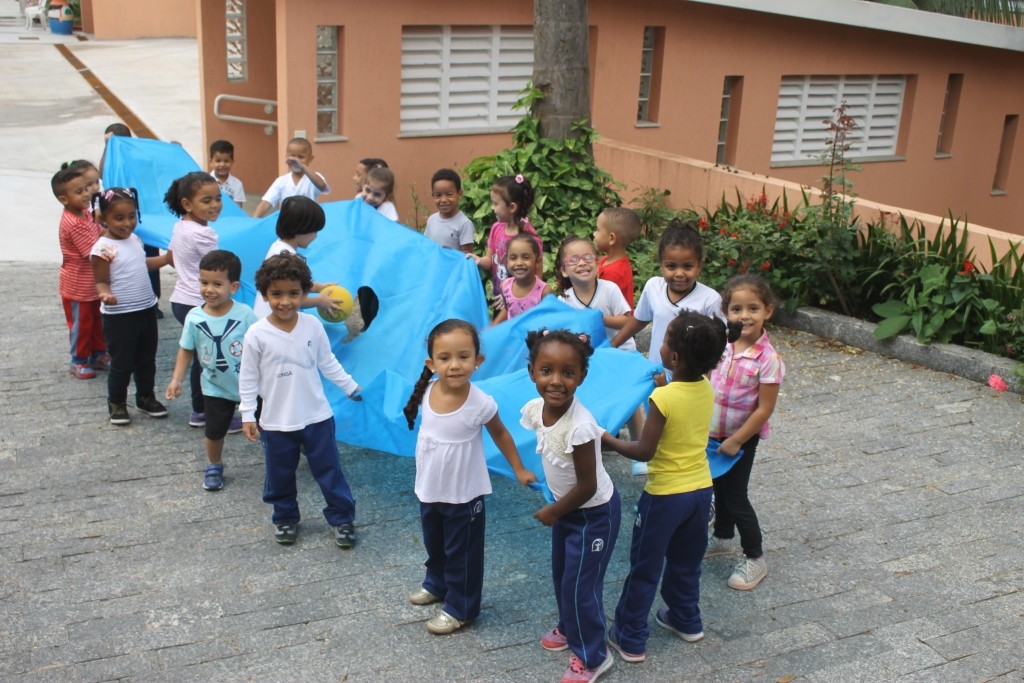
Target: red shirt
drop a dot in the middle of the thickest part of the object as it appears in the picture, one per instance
(77, 235)
(621, 273)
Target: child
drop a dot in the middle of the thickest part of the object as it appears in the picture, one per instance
(675, 506)
(449, 227)
(120, 269)
(451, 472)
(298, 223)
(379, 191)
(576, 263)
(89, 171)
(300, 180)
(746, 383)
(364, 166)
(680, 253)
(523, 289)
(196, 200)
(213, 334)
(585, 516)
(511, 199)
(77, 234)
(282, 358)
(617, 228)
(222, 158)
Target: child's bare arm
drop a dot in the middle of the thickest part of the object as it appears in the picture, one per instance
(631, 327)
(585, 463)
(644, 449)
(181, 366)
(262, 209)
(101, 274)
(503, 440)
(158, 262)
(617, 322)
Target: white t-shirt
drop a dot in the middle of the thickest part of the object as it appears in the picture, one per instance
(232, 187)
(452, 232)
(259, 305)
(282, 368)
(609, 300)
(654, 306)
(190, 242)
(388, 210)
(450, 462)
(285, 187)
(129, 276)
(555, 445)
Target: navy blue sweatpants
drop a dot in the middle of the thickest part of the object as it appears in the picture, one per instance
(453, 534)
(671, 532)
(281, 452)
(581, 547)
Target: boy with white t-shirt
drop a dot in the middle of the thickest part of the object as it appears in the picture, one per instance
(283, 356)
(299, 181)
(449, 227)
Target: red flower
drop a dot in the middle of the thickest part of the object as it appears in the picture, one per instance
(997, 383)
(969, 269)
(766, 265)
(731, 262)
(702, 223)
(734, 235)
(723, 232)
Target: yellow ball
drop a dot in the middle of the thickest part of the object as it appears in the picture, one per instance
(341, 297)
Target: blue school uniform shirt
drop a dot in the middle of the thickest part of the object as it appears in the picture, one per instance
(217, 343)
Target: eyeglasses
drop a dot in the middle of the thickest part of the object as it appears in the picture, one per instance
(575, 260)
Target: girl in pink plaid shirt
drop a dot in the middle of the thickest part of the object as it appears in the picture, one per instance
(746, 385)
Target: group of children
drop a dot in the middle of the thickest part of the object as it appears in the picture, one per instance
(721, 380)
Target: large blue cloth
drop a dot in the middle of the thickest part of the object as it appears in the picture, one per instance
(418, 284)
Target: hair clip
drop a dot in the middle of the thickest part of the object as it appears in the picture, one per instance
(520, 179)
(584, 337)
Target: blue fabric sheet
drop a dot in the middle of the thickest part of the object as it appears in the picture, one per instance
(418, 284)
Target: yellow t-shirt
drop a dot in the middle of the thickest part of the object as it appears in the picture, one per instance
(680, 464)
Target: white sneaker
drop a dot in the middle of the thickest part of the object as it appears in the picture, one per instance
(748, 573)
(638, 469)
(718, 546)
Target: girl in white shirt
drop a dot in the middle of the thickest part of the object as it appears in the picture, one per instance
(451, 472)
(584, 518)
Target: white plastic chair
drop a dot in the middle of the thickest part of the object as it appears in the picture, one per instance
(36, 10)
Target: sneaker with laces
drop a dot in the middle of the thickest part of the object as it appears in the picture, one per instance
(150, 406)
(213, 477)
(285, 534)
(638, 469)
(100, 362)
(118, 413)
(554, 641)
(421, 596)
(578, 673)
(631, 657)
(236, 425)
(718, 546)
(196, 419)
(662, 618)
(748, 573)
(82, 371)
(443, 624)
(344, 535)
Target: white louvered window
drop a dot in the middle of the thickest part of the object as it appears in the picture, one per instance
(236, 38)
(463, 79)
(807, 102)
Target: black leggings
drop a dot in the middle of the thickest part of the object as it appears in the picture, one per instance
(131, 342)
(195, 372)
(733, 510)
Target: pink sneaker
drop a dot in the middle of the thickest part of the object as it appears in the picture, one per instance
(554, 641)
(578, 673)
(82, 371)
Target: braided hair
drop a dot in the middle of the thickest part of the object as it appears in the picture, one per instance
(699, 341)
(412, 408)
(102, 201)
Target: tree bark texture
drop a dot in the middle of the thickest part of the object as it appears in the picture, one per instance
(561, 65)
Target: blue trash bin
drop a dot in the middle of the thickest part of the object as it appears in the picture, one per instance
(61, 27)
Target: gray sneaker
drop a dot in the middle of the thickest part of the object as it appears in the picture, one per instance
(344, 535)
(718, 546)
(748, 573)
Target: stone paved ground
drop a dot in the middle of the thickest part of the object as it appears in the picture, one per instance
(891, 498)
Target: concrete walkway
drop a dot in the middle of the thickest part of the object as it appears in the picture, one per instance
(890, 496)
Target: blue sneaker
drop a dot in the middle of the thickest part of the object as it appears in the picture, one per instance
(196, 419)
(213, 478)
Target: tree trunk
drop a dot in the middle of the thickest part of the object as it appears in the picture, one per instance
(561, 65)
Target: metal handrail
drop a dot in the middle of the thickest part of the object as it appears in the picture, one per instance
(268, 107)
